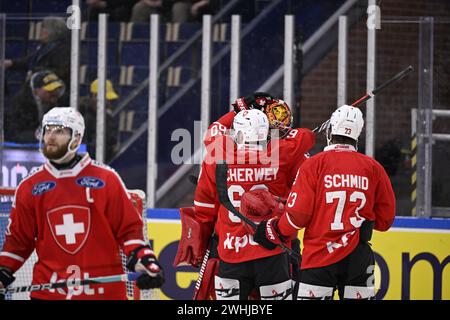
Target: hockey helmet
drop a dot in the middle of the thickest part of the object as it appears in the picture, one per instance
(346, 121)
(252, 125)
(66, 117)
(279, 115)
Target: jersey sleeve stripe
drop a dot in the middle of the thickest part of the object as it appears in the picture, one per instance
(136, 241)
(291, 223)
(205, 205)
(12, 256)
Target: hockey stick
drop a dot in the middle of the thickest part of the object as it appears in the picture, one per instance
(371, 94)
(221, 185)
(132, 276)
(198, 283)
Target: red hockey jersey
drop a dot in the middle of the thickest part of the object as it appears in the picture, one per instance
(219, 127)
(76, 219)
(273, 168)
(337, 189)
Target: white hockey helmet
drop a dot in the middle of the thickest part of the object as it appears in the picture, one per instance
(66, 117)
(346, 121)
(253, 126)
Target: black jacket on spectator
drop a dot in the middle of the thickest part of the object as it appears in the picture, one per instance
(54, 55)
(90, 121)
(22, 118)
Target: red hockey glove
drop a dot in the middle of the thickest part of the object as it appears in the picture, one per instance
(143, 259)
(259, 205)
(240, 105)
(6, 278)
(267, 234)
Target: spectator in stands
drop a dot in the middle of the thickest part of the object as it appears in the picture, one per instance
(118, 10)
(88, 108)
(144, 8)
(45, 91)
(189, 10)
(51, 54)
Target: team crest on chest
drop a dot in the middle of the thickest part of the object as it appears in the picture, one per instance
(70, 226)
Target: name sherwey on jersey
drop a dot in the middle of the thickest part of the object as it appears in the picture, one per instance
(252, 174)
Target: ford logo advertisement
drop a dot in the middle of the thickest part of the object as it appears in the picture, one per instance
(90, 182)
(43, 187)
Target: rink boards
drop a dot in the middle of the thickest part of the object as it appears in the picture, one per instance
(412, 258)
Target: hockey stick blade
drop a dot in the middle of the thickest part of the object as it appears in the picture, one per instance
(132, 276)
(222, 192)
(371, 94)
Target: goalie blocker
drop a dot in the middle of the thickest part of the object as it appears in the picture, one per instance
(195, 239)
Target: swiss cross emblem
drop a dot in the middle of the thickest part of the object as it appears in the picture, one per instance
(70, 227)
(261, 101)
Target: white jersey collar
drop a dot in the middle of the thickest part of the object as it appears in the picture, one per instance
(340, 147)
(73, 172)
(250, 147)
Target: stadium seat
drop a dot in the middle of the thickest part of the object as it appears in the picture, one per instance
(139, 74)
(16, 29)
(13, 6)
(89, 51)
(84, 90)
(134, 53)
(49, 6)
(187, 30)
(140, 32)
(89, 30)
(15, 49)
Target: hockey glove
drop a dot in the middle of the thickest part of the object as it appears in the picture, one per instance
(6, 278)
(267, 234)
(259, 205)
(240, 105)
(143, 259)
(257, 100)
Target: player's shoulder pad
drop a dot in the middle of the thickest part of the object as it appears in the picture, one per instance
(109, 170)
(34, 171)
(99, 164)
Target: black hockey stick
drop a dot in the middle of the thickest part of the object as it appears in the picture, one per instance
(222, 192)
(132, 276)
(371, 94)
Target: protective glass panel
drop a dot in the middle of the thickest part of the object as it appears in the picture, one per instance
(397, 47)
(37, 78)
(2, 92)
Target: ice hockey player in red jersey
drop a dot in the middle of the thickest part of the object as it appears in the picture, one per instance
(339, 196)
(76, 213)
(195, 235)
(245, 265)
